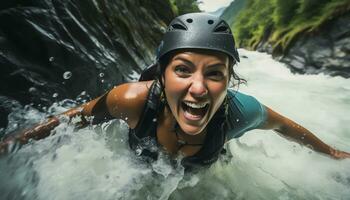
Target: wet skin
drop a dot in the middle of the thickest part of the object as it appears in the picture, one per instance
(198, 79)
(192, 80)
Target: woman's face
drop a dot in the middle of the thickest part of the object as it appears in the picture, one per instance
(195, 84)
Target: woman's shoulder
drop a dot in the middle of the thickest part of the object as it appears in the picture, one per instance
(245, 111)
(242, 99)
(127, 100)
(131, 91)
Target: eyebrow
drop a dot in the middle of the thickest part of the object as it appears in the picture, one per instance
(184, 60)
(192, 65)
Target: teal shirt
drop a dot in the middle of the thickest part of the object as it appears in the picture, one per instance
(244, 114)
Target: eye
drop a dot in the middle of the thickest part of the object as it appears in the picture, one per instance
(216, 75)
(182, 70)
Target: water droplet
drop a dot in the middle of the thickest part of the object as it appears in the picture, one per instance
(138, 152)
(102, 81)
(237, 120)
(67, 75)
(83, 93)
(154, 119)
(101, 74)
(126, 118)
(55, 95)
(310, 146)
(32, 89)
(51, 59)
(302, 138)
(163, 29)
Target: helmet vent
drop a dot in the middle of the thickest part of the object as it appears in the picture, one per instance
(222, 28)
(177, 27)
(210, 21)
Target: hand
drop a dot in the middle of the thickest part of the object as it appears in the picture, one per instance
(12, 141)
(16, 139)
(3, 148)
(339, 155)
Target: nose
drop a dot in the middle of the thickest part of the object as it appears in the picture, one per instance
(198, 87)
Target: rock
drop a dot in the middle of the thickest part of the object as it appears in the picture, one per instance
(341, 48)
(41, 40)
(297, 61)
(264, 47)
(326, 51)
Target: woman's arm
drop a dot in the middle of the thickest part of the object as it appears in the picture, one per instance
(37, 131)
(295, 132)
(42, 130)
(123, 102)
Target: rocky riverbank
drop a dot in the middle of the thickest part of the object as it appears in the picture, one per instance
(326, 51)
(52, 50)
(310, 37)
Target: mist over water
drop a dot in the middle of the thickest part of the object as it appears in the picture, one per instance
(96, 162)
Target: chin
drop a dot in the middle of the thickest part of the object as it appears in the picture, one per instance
(192, 130)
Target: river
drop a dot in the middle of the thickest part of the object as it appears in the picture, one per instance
(96, 163)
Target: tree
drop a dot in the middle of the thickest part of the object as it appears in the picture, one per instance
(186, 6)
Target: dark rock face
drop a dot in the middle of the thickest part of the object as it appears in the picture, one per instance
(327, 51)
(55, 49)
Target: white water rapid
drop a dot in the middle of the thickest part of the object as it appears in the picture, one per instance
(96, 163)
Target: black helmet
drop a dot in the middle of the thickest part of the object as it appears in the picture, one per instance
(198, 31)
(195, 31)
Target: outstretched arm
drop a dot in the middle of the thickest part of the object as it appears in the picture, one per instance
(295, 132)
(123, 102)
(42, 130)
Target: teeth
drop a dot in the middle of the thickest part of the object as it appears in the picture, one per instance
(196, 105)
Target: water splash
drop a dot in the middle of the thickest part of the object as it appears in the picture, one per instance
(67, 75)
(96, 162)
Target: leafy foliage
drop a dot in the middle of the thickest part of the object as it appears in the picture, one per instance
(286, 18)
(250, 24)
(186, 6)
(231, 12)
(284, 11)
(309, 7)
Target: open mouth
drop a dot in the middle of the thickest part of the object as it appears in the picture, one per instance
(194, 111)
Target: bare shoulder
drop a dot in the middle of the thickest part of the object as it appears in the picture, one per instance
(126, 101)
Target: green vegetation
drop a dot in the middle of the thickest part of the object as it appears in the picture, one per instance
(252, 21)
(281, 21)
(185, 6)
(230, 13)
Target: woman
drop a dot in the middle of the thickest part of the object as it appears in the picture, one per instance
(182, 103)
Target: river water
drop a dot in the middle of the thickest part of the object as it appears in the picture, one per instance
(96, 163)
